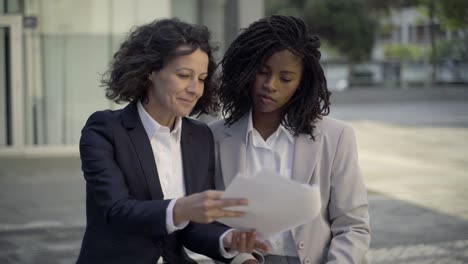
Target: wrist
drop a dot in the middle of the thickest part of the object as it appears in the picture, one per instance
(227, 239)
(177, 212)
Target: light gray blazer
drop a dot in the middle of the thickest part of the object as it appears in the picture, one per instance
(341, 233)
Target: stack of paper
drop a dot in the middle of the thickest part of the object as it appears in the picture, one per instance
(276, 204)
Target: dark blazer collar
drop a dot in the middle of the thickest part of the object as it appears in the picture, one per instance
(130, 117)
(189, 154)
(139, 137)
(131, 121)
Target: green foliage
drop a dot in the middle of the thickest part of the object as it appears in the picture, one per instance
(347, 25)
(404, 52)
(284, 7)
(350, 26)
(453, 14)
(454, 49)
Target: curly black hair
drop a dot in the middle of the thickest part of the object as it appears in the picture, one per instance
(252, 48)
(149, 48)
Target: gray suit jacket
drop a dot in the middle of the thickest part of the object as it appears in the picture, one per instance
(341, 233)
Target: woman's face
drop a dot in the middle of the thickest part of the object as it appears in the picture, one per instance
(177, 87)
(276, 82)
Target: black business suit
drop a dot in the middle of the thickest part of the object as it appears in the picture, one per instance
(126, 210)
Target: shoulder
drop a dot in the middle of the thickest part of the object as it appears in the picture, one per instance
(102, 118)
(329, 123)
(333, 128)
(100, 125)
(196, 128)
(217, 127)
(103, 115)
(194, 124)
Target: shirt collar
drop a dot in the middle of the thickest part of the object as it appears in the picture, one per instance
(152, 126)
(281, 129)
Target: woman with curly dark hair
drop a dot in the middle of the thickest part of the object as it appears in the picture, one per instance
(275, 103)
(140, 162)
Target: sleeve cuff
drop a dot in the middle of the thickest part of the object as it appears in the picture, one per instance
(222, 249)
(170, 227)
(242, 257)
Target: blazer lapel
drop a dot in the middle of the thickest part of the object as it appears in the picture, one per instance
(139, 137)
(188, 156)
(306, 153)
(232, 150)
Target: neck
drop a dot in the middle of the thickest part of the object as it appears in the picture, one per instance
(266, 123)
(164, 119)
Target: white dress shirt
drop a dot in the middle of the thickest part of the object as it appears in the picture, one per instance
(168, 157)
(277, 154)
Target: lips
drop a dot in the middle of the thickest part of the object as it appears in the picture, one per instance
(188, 101)
(266, 98)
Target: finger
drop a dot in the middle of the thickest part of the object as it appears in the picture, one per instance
(212, 194)
(252, 236)
(228, 202)
(243, 243)
(262, 246)
(235, 241)
(213, 214)
(227, 213)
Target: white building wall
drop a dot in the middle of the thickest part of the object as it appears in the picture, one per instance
(78, 39)
(3, 110)
(73, 43)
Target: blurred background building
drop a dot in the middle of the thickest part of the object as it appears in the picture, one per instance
(53, 53)
(387, 44)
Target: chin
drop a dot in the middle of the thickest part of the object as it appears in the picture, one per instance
(184, 112)
(265, 110)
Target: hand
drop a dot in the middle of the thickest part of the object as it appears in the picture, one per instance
(244, 241)
(205, 207)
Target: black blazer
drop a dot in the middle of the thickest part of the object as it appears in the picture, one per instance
(125, 207)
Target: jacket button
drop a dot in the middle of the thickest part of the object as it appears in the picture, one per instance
(306, 261)
(301, 245)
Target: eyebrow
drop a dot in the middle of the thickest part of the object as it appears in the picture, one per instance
(289, 72)
(188, 69)
(285, 71)
(183, 68)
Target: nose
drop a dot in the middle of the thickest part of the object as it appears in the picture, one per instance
(269, 84)
(196, 87)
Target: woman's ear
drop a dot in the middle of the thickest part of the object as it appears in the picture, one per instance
(150, 76)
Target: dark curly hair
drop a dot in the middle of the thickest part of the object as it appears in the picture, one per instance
(149, 48)
(252, 48)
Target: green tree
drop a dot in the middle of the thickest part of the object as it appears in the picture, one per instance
(453, 14)
(404, 52)
(345, 24)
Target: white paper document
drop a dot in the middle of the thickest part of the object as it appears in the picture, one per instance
(276, 204)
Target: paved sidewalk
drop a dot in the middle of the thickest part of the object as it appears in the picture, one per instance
(418, 216)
